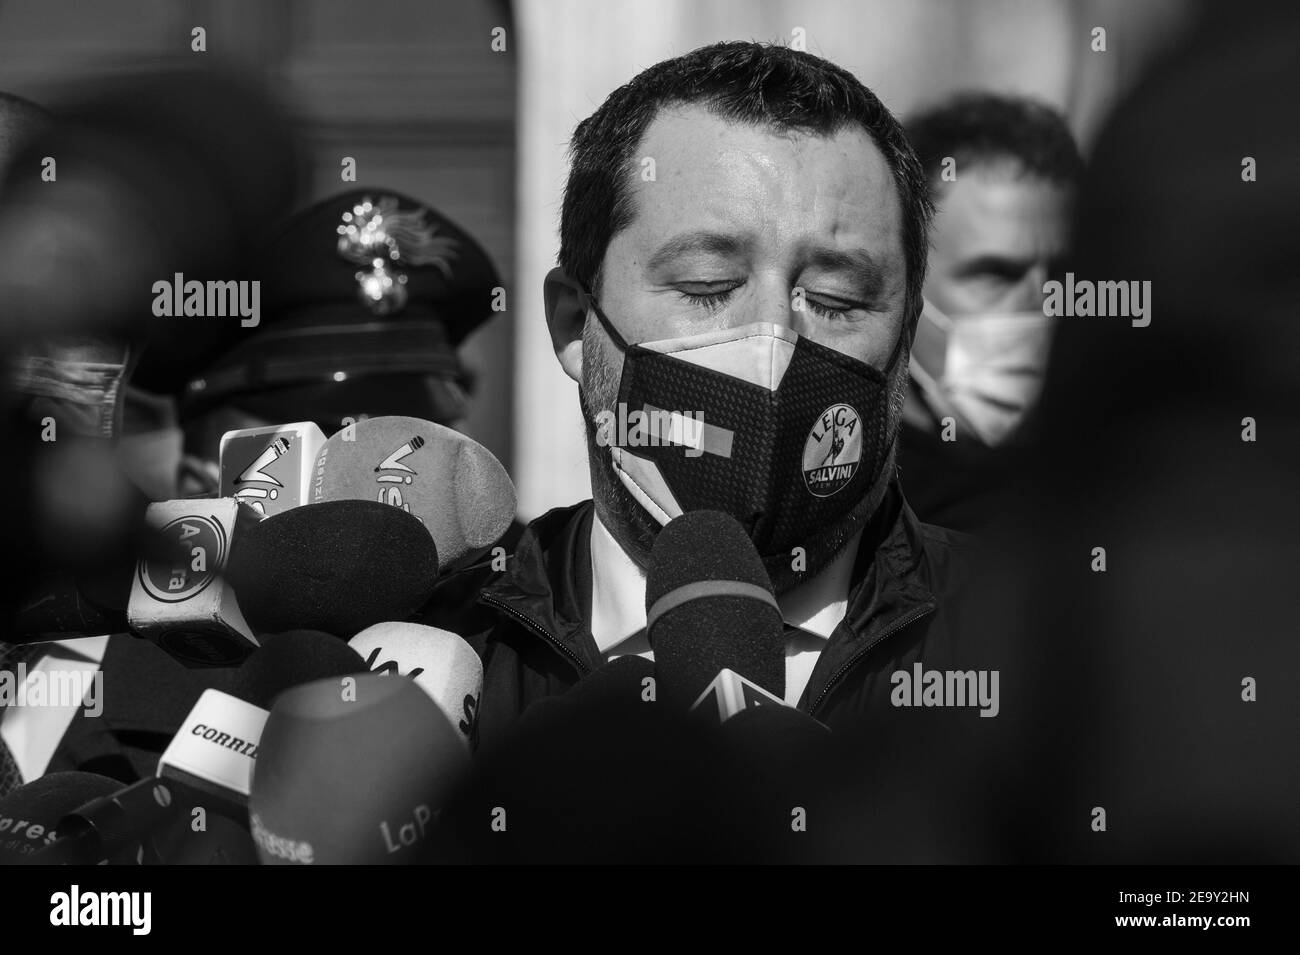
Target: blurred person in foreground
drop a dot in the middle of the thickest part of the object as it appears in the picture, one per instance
(1157, 510)
(131, 183)
(1004, 174)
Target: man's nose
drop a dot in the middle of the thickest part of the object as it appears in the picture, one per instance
(775, 302)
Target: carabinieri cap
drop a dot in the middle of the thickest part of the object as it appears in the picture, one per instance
(360, 292)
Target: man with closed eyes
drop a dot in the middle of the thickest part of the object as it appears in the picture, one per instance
(767, 279)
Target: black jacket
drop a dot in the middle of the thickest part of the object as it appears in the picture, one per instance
(529, 621)
(147, 696)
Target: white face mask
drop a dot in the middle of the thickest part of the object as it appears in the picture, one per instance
(993, 368)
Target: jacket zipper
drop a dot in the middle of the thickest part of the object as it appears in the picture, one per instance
(538, 629)
(889, 631)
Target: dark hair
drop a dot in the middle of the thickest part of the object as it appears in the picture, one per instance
(976, 128)
(747, 83)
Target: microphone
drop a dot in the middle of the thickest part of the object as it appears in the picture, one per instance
(614, 690)
(730, 694)
(712, 618)
(208, 765)
(291, 659)
(180, 598)
(110, 825)
(213, 751)
(441, 663)
(454, 485)
(603, 773)
(222, 841)
(352, 770)
(270, 468)
(215, 748)
(337, 567)
(211, 759)
(30, 815)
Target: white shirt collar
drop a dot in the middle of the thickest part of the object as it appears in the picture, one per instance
(89, 649)
(618, 593)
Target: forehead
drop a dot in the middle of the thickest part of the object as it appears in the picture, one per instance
(1000, 202)
(711, 172)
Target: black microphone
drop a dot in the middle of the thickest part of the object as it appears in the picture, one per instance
(337, 567)
(30, 815)
(223, 841)
(110, 825)
(290, 659)
(612, 691)
(605, 773)
(712, 617)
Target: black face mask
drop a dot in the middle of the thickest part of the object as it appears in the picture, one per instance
(789, 437)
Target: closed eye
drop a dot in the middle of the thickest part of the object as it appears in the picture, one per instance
(713, 300)
(829, 312)
(710, 297)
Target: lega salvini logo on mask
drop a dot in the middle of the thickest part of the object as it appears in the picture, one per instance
(833, 450)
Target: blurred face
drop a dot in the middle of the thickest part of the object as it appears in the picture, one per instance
(740, 216)
(997, 238)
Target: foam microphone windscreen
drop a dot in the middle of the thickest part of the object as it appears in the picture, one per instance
(709, 607)
(30, 814)
(290, 659)
(338, 567)
(454, 485)
(621, 682)
(352, 771)
(221, 841)
(608, 694)
(441, 663)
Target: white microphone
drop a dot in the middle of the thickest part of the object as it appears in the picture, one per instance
(215, 748)
(180, 597)
(270, 468)
(729, 694)
(441, 663)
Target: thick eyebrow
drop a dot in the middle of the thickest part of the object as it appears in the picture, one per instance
(713, 243)
(861, 264)
(997, 264)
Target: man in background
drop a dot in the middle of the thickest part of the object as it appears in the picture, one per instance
(341, 336)
(1003, 172)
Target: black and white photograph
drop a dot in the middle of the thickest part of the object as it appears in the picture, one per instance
(693, 433)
